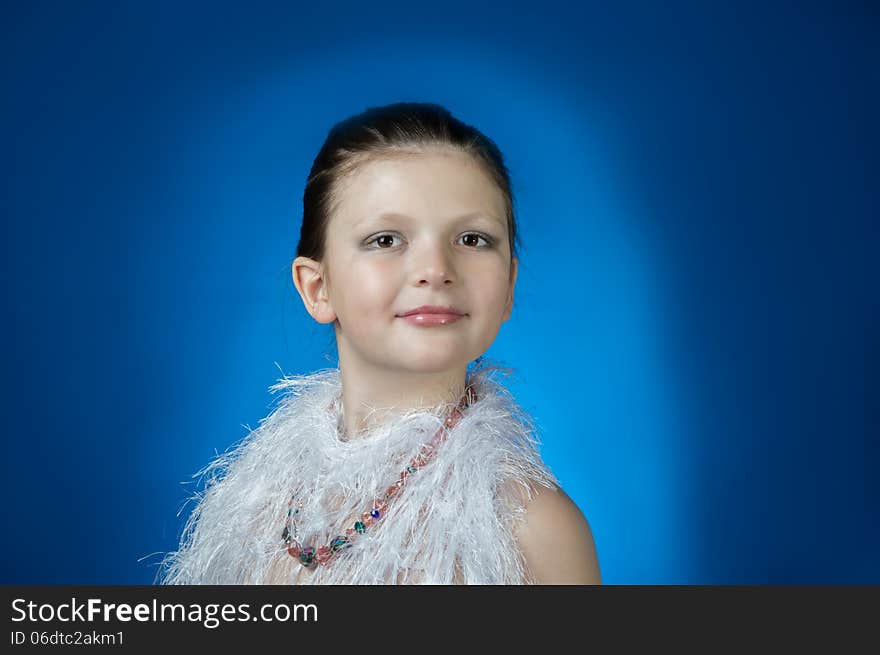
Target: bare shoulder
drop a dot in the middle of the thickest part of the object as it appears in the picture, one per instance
(556, 540)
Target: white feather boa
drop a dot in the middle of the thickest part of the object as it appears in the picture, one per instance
(452, 523)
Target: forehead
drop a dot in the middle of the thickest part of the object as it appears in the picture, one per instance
(432, 185)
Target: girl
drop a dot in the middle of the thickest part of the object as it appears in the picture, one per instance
(405, 464)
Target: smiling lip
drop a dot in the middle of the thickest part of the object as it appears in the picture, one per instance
(431, 315)
(432, 309)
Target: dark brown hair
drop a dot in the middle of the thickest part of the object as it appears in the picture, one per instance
(385, 131)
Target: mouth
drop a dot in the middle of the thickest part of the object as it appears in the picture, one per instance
(432, 316)
(431, 320)
(433, 309)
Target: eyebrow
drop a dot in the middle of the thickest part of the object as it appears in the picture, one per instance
(405, 218)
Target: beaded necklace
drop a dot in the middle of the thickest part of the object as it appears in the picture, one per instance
(324, 555)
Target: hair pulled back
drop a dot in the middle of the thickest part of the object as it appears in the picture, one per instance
(387, 131)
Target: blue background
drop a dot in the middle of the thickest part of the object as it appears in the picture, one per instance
(696, 329)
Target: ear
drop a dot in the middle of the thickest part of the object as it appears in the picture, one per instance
(514, 265)
(308, 277)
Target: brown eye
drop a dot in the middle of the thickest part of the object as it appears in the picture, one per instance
(473, 239)
(384, 240)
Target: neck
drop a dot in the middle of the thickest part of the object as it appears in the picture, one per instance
(370, 396)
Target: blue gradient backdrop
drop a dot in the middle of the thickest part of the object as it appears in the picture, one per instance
(696, 329)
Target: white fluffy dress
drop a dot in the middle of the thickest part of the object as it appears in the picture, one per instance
(452, 522)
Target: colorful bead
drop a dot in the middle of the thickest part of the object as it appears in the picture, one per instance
(339, 543)
(375, 513)
(307, 556)
(453, 419)
(323, 555)
(360, 527)
(411, 469)
(294, 549)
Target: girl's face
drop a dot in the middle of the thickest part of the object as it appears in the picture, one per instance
(425, 228)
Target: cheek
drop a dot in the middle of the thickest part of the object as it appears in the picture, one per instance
(369, 288)
(491, 287)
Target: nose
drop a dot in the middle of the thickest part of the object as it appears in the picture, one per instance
(433, 266)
